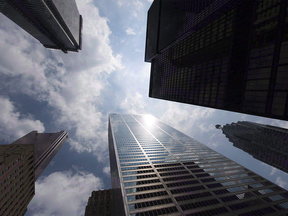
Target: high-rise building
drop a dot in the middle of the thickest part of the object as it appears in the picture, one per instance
(21, 163)
(158, 170)
(17, 178)
(56, 24)
(266, 143)
(223, 54)
(100, 203)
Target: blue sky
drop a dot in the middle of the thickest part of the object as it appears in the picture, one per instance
(49, 91)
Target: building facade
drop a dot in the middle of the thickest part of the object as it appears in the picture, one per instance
(56, 24)
(100, 203)
(21, 163)
(266, 143)
(17, 178)
(223, 54)
(158, 170)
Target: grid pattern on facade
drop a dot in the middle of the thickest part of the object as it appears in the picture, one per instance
(237, 61)
(177, 175)
(264, 142)
(16, 178)
(99, 204)
(56, 24)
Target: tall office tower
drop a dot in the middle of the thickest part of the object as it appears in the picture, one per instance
(21, 163)
(158, 170)
(264, 142)
(56, 24)
(17, 178)
(46, 146)
(224, 54)
(99, 204)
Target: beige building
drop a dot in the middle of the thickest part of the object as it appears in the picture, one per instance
(21, 163)
(17, 178)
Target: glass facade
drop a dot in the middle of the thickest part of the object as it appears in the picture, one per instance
(230, 55)
(159, 170)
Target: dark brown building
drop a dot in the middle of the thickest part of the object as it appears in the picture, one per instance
(225, 54)
(100, 203)
(21, 163)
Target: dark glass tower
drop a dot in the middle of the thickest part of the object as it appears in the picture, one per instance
(224, 54)
(264, 142)
(56, 24)
(158, 170)
(21, 163)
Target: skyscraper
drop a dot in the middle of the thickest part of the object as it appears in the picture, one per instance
(224, 54)
(56, 24)
(21, 163)
(157, 170)
(264, 142)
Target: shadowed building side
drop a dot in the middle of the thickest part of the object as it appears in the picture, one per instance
(54, 23)
(266, 143)
(224, 54)
(21, 163)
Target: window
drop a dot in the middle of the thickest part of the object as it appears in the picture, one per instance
(139, 189)
(182, 183)
(193, 196)
(217, 211)
(149, 204)
(185, 190)
(147, 195)
(199, 204)
(163, 211)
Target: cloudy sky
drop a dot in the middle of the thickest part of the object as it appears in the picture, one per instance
(49, 91)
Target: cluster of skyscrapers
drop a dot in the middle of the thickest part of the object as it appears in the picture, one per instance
(230, 55)
(224, 54)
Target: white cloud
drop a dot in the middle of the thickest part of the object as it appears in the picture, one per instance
(63, 193)
(281, 182)
(130, 31)
(273, 171)
(133, 104)
(206, 128)
(106, 170)
(13, 125)
(71, 84)
(186, 117)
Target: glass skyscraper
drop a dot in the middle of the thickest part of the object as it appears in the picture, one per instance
(264, 142)
(224, 54)
(157, 170)
(56, 24)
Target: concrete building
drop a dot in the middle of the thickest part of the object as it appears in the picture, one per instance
(21, 163)
(157, 170)
(225, 54)
(56, 24)
(266, 143)
(100, 203)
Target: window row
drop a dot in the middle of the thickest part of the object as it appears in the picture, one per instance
(163, 211)
(139, 189)
(149, 204)
(146, 195)
(135, 183)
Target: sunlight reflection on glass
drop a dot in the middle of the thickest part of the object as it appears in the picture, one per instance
(149, 120)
